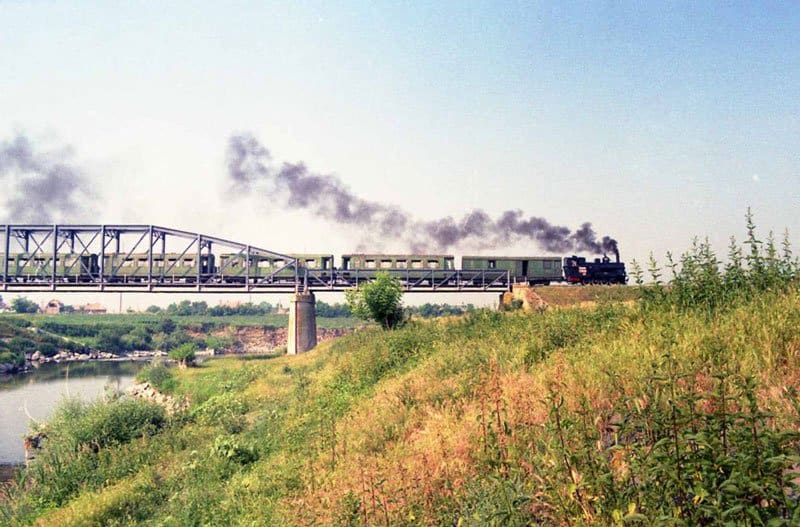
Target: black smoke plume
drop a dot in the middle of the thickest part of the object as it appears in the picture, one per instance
(250, 168)
(39, 187)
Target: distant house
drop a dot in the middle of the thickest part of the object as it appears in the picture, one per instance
(93, 309)
(54, 307)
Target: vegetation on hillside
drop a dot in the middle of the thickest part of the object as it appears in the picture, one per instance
(17, 338)
(662, 412)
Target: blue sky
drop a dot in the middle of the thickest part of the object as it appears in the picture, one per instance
(654, 121)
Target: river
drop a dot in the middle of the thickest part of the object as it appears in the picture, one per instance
(37, 393)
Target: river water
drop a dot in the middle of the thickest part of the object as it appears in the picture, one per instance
(37, 393)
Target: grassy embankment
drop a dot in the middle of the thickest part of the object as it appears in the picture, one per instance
(679, 409)
(580, 416)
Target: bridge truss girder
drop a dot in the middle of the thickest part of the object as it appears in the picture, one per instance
(31, 250)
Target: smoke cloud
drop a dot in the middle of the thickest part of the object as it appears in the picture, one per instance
(251, 169)
(39, 187)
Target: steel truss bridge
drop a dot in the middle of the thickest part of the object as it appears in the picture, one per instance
(96, 258)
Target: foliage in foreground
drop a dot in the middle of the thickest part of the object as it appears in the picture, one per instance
(663, 413)
(699, 280)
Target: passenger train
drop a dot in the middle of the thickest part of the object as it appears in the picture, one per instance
(235, 268)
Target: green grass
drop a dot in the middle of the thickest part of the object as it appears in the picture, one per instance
(605, 415)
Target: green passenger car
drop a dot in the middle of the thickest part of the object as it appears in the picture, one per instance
(173, 266)
(416, 266)
(39, 266)
(530, 269)
(233, 266)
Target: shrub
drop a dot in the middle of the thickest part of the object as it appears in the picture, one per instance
(159, 376)
(21, 345)
(47, 349)
(110, 340)
(10, 357)
(103, 423)
(232, 449)
(23, 305)
(184, 354)
(379, 300)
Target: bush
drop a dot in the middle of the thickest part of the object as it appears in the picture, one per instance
(379, 300)
(159, 376)
(103, 423)
(184, 354)
(10, 357)
(231, 449)
(23, 305)
(47, 349)
(21, 345)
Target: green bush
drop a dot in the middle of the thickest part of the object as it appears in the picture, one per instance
(184, 354)
(159, 376)
(21, 345)
(103, 423)
(379, 300)
(232, 449)
(47, 349)
(11, 357)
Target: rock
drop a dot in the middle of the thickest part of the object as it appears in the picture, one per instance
(37, 355)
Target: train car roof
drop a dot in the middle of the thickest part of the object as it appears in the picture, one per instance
(490, 257)
(377, 255)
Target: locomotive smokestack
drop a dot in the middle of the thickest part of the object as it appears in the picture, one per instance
(616, 252)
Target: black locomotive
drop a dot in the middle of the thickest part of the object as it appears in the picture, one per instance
(601, 271)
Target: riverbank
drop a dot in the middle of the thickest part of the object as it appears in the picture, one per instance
(492, 415)
(28, 340)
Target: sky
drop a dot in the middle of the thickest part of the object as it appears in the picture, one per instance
(656, 122)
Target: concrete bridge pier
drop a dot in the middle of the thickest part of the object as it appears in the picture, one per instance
(302, 323)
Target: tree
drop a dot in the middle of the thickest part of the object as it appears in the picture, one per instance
(379, 300)
(184, 354)
(110, 340)
(23, 305)
(166, 326)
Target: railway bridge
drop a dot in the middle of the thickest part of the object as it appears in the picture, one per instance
(153, 259)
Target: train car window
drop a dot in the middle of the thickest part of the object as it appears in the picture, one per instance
(547, 264)
(492, 264)
(416, 264)
(188, 261)
(279, 263)
(433, 264)
(402, 264)
(263, 264)
(386, 264)
(370, 264)
(311, 262)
